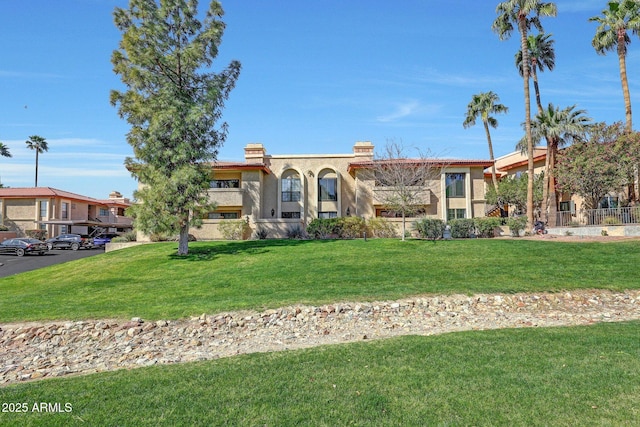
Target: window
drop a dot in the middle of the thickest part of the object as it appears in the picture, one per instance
(327, 189)
(290, 215)
(456, 214)
(65, 211)
(104, 212)
(223, 215)
(326, 215)
(64, 229)
(455, 184)
(568, 206)
(43, 209)
(608, 202)
(291, 189)
(225, 183)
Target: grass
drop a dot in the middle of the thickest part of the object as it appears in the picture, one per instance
(587, 376)
(149, 281)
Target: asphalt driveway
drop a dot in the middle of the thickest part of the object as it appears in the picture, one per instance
(11, 264)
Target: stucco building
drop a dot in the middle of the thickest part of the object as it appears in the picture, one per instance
(276, 192)
(58, 211)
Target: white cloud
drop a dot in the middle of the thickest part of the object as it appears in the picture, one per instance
(401, 111)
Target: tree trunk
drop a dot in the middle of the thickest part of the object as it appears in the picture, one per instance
(183, 242)
(36, 166)
(404, 227)
(527, 122)
(553, 197)
(625, 84)
(494, 178)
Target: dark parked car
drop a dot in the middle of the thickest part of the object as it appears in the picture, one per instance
(103, 239)
(70, 241)
(23, 245)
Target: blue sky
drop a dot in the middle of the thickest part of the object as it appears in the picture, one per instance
(317, 77)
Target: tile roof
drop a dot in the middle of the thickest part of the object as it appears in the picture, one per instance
(45, 192)
(435, 162)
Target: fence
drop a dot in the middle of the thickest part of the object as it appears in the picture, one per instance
(611, 216)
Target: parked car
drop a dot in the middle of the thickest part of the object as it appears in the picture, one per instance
(23, 245)
(103, 239)
(70, 241)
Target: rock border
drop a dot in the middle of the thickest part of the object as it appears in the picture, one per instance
(33, 350)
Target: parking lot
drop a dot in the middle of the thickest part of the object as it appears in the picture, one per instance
(11, 264)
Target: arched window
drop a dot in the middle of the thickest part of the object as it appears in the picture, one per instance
(327, 186)
(291, 187)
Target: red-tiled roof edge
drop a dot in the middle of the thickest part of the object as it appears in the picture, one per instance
(436, 162)
(523, 162)
(24, 192)
(241, 166)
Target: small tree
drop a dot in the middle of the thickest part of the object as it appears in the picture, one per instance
(173, 103)
(594, 168)
(513, 191)
(404, 184)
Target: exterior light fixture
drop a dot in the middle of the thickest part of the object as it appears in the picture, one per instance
(273, 212)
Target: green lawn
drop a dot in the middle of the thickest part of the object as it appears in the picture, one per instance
(580, 376)
(587, 376)
(150, 282)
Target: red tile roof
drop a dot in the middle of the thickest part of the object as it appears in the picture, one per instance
(48, 192)
(434, 162)
(241, 166)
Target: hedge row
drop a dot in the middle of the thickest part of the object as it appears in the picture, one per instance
(350, 227)
(431, 228)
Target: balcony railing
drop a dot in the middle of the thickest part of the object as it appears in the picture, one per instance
(611, 216)
(226, 196)
(382, 194)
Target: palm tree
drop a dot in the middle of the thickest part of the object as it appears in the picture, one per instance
(483, 105)
(4, 150)
(541, 56)
(39, 145)
(621, 16)
(560, 127)
(524, 14)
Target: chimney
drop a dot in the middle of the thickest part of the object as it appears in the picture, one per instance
(363, 150)
(254, 153)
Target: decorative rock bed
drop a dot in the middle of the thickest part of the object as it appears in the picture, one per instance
(31, 351)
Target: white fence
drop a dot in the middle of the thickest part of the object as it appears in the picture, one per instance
(611, 216)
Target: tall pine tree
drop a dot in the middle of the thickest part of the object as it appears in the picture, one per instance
(174, 104)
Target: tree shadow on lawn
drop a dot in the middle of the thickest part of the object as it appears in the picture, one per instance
(207, 251)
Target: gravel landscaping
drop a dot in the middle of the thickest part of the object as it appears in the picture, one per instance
(31, 351)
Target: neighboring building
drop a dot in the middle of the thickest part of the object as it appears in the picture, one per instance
(278, 192)
(58, 211)
(571, 207)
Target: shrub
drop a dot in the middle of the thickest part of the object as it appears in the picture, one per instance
(611, 220)
(36, 234)
(351, 227)
(380, 227)
(295, 232)
(261, 233)
(517, 224)
(461, 228)
(429, 228)
(4, 228)
(233, 230)
(129, 236)
(324, 228)
(485, 227)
